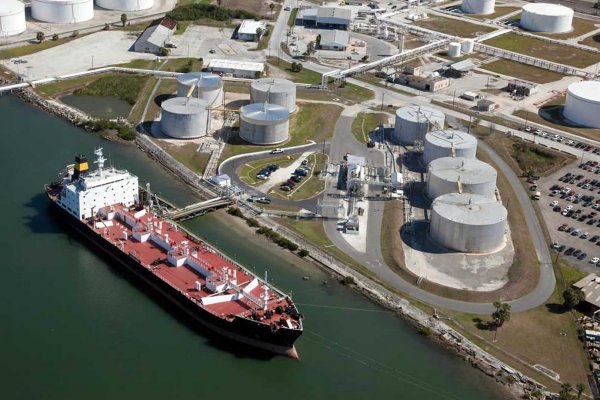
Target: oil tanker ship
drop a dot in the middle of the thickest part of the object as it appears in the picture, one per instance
(104, 206)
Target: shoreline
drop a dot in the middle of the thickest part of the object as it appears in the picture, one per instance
(514, 383)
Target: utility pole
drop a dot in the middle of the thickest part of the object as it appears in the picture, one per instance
(453, 97)
(382, 96)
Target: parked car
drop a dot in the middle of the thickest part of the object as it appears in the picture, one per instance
(561, 248)
(263, 200)
(277, 151)
(563, 227)
(285, 188)
(576, 253)
(594, 260)
(554, 203)
(582, 256)
(569, 251)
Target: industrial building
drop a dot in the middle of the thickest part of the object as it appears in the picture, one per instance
(184, 118)
(12, 18)
(125, 5)
(62, 11)
(430, 83)
(448, 143)
(468, 223)
(355, 177)
(156, 36)
(237, 69)
(521, 88)
(264, 124)
(583, 103)
(460, 175)
(207, 87)
(545, 17)
(325, 17)
(480, 7)
(413, 123)
(274, 91)
(460, 68)
(251, 30)
(334, 40)
(486, 105)
(590, 286)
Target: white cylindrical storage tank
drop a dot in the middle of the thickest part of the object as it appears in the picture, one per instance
(460, 175)
(207, 87)
(468, 223)
(125, 5)
(482, 7)
(544, 17)
(274, 91)
(467, 46)
(264, 124)
(454, 49)
(448, 143)
(413, 123)
(12, 18)
(184, 118)
(583, 103)
(62, 11)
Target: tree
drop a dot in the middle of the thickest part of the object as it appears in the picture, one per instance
(566, 392)
(271, 7)
(106, 27)
(318, 41)
(580, 387)
(303, 253)
(123, 18)
(55, 37)
(310, 48)
(572, 297)
(164, 51)
(40, 36)
(501, 315)
(259, 32)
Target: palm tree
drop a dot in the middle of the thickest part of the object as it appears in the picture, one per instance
(580, 387)
(123, 19)
(271, 7)
(566, 391)
(501, 315)
(40, 36)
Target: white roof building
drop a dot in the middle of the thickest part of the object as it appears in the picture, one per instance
(238, 69)
(249, 28)
(590, 286)
(155, 36)
(334, 39)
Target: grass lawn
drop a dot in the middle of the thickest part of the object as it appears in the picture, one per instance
(313, 184)
(580, 27)
(138, 109)
(304, 76)
(589, 133)
(183, 65)
(593, 41)
(523, 71)
(187, 155)
(248, 171)
(125, 87)
(166, 88)
(453, 26)
(555, 52)
(365, 123)
(313, 121)
(499, 12)
(292, 18)
(34, 48)
(130, 28)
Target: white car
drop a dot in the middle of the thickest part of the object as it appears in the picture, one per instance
(594, 260)
(554, 203)
(277, 151)
(569, 207)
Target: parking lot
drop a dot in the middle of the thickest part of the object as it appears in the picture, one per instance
(570, 204)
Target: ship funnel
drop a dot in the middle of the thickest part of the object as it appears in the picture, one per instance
(81, 166)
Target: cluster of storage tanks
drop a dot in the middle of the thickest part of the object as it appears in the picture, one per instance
(465, 216)
(12, 12)
(455, 49)
(265, 121)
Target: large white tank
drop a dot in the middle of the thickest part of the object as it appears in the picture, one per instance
(274, 91)
(460, 175)
(448, 143)
(454, 49)
(184, 118)
(467, 46)
(62, 11)
(413, 122)
(468, 223)
(583, 103)
(125, 5)
(544, 17)
(207, 87)
(482, 7)
(264, 124)
(12, 18)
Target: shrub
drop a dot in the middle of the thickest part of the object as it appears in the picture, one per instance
(235, 212)
(303, 253)
(107, 27)
(253, 223)
(164, 51)
(55, 37)
(425, 331)
(347, 280)
(192, 12)
(126, 132)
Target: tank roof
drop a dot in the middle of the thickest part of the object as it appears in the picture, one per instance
(8, 7)
(64, 1)
(274, 85)
(547, 9)
(451, 138)
(420, 114)
(265, 112)
(200, 79)
(586, 90)
(470, 209)
(470, 171)
(184, 106)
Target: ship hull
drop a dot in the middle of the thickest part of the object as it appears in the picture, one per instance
(253, 333)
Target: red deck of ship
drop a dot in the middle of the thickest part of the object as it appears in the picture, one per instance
(184, 278)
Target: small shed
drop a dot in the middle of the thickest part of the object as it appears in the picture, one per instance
(487, 105)
(156, 36)
(334, 40)
(222, 180)
(251, 30)
(521, 88)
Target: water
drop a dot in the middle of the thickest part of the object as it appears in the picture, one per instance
(74, 325)
(106, 107)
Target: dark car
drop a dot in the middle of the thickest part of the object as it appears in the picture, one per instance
(561, 248)
(301, 172)
(273, 167)
(569, 251)
(556, 209)
(290, 183)
(576, 253)
(582, 256)
(582, 218)
(570, 229)
(296, 178)
(594, 238)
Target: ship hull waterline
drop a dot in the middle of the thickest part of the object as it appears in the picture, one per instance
(239, 332)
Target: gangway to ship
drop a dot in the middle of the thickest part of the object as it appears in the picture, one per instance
(197, 209)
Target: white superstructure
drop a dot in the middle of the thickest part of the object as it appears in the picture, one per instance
(125, 5)
(583, 103)
(544, 17)
(62, 11)
(84, 195)
(12, 18)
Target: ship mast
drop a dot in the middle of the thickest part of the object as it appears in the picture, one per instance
(100, 160)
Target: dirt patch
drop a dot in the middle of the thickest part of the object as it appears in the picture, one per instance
(260, 7)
